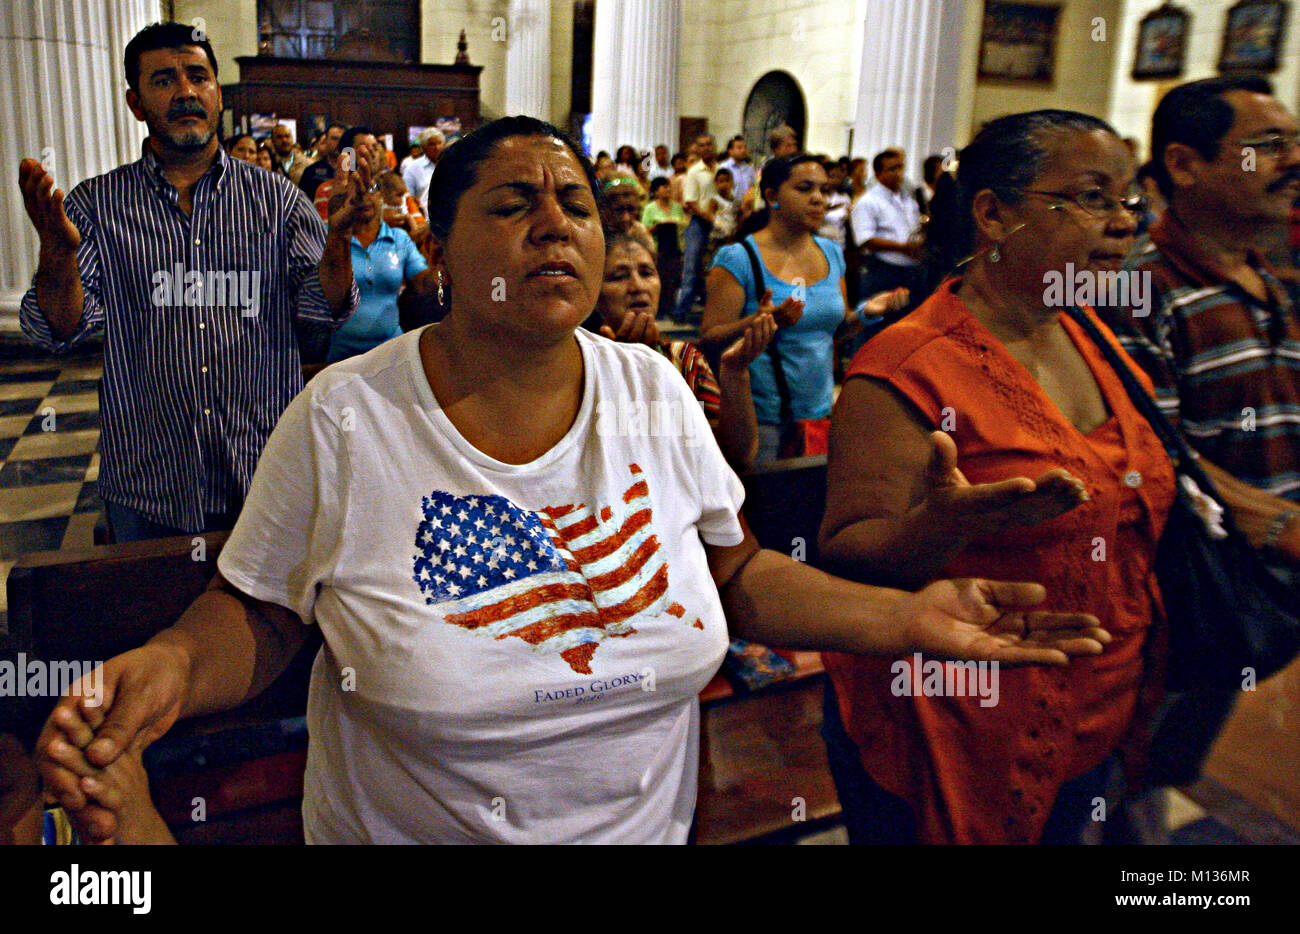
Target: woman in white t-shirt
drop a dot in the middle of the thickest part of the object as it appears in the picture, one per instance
(519, 541)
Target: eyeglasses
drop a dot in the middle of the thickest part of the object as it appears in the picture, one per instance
(1097, 203)
(1275, 145)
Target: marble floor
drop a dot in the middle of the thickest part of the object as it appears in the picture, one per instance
(49, 429)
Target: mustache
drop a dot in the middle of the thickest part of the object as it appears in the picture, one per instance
(186, 109)
(1285, 180)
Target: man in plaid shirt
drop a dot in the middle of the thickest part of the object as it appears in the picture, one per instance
(1222, 343)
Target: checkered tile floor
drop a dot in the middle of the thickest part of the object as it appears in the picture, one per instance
(49, 429)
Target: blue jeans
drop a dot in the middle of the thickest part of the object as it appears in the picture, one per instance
(697, 241)
(129, 525)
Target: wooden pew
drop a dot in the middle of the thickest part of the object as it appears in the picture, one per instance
(759, 753)
(92, 604)
(762, 760)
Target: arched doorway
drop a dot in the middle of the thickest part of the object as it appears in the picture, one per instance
(774, 100)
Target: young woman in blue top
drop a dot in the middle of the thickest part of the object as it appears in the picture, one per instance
(805, 293)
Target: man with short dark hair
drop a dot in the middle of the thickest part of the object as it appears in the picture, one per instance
(290, 158)
(887, 227)
(661, 168)
(358, 146)
(195, 265)
(738, 164)
(1222, 342)
(323, 167)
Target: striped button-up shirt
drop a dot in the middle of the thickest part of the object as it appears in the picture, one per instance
(197, 313)
(1226, 365)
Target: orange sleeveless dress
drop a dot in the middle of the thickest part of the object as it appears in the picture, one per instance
(976, 774)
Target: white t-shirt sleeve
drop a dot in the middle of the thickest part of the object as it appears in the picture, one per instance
(287, 540)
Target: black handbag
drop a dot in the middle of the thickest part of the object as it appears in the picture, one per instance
(1228, 611)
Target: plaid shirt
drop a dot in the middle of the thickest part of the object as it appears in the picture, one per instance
(193, 382)
(1226, 366)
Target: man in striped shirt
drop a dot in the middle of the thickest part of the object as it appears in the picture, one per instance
(195, 266)
(1222, 344)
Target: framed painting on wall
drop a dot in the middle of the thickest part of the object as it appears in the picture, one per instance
(1018, 42)
(1252, 36)
(1162, 43)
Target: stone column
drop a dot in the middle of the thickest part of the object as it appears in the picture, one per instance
(910, 80)
(635, 73)
(528, 59)
(62, 65)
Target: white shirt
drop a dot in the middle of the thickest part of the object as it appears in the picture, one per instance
(888, 215)
(513, 653)
(742, 174)
(699, 185)
(417, 176)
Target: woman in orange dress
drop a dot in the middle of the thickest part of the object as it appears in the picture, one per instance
(985, 434)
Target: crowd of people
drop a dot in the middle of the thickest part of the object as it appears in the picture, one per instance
(466, 505)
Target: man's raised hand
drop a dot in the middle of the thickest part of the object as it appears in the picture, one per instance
(44, 205)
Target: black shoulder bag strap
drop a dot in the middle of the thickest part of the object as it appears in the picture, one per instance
(778, 368)
(1183, 458)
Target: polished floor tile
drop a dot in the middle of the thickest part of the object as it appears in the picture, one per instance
(53, 444)
(18, 504)
(28, 374)
(29, 390)
(80, 533)
(49, 470)
(11, 426)
(77, 402)
(68, 386)
(88, 499)
(19, 406)
(20, 538)
(50, 420)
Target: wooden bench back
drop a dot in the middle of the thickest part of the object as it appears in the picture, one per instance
(784, 502)
(95, 603)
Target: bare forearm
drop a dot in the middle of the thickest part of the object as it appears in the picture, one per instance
(737, 422)
(877, 244)
(721, 335)
(905, 552)
(233, 650)
(782, 602)
(1254, 510)
(58, 291)
(336, 270)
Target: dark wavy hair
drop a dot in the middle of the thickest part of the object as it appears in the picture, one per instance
(168, 35)
(458, 168)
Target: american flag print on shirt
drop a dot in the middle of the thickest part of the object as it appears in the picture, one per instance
(562, 579)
